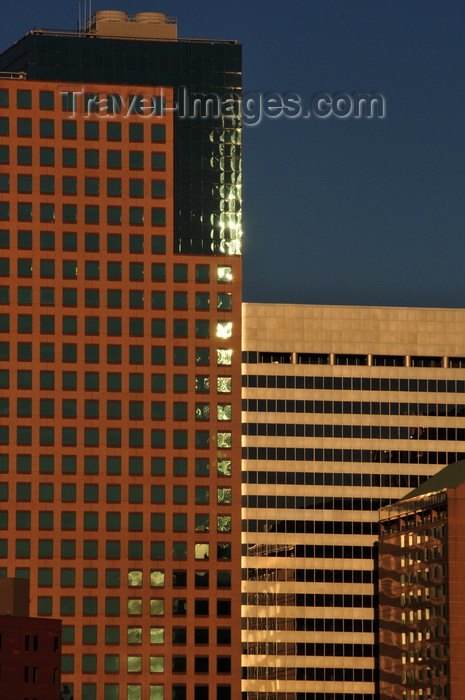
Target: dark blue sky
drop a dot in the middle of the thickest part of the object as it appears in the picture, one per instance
(338, 211)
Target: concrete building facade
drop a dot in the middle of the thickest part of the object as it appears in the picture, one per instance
(345, 409)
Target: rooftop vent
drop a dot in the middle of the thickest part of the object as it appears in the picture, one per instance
(150, 17)
(111, 16)
(143, 25)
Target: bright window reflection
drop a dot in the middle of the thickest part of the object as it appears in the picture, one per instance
(134, 692)
(202, 551)
(134, 578)
(224, 411)
(224, 273)
(223, 385)
(223, 357)
(223, 523)
(157, 635)
(157, 606)
(224, 439)
(134, 664)
(224, 329)
(157, 665)
(224, 467)
(134, 635)
(134, 606)
(157, 578)
(224, 495)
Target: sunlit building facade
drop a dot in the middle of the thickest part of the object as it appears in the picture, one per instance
(345, 409)
(120, 293)
(421, 597)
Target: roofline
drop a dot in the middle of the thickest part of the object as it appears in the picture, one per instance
(351, 306)
(94, 35)
(403, 507)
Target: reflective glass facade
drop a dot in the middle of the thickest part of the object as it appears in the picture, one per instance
(207, 149)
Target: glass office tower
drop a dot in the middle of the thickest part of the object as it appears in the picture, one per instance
(120, 313)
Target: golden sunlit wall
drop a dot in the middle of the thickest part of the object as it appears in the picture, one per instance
(345, 409)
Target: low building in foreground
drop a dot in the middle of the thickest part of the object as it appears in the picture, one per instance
(30, 648)
(421, 591)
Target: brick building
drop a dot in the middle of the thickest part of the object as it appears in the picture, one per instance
(30, 653)
(421, 595)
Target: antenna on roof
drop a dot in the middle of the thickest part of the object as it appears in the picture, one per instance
(82, 16)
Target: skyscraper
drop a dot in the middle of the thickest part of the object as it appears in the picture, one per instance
(346, 409)
(120, 313)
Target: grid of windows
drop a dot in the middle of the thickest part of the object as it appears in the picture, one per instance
(208, 154)
(310, 526)
(366, 432)
(338, 455)
(306, 696)
(308, 358)
(282, 381)
(324, 448)
(332, 479)
(109, 342)
(310, 624)
(353, 407)
(421, 538)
